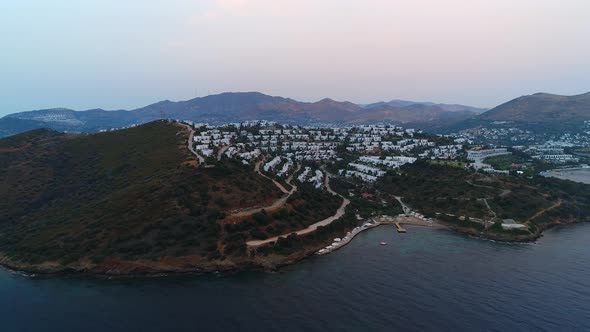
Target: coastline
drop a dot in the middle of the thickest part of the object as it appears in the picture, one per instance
(576, 174)
(401, 219)
(347, 238)
(130, 269)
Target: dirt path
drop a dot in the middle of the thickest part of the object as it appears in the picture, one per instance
(503, 192)
(405, 208)
(271, 208)
(538, 214)
(221, 151)
(190, 143)
(485, 201)
(280, 186)
(339, 213)
(274, 206)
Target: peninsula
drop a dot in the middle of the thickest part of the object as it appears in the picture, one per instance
(184, 197)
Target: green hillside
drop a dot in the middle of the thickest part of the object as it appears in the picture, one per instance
(90, 201)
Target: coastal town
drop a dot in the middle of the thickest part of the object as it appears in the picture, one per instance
(375, 148)
(511, 134)
(369, 150)
(364, 154)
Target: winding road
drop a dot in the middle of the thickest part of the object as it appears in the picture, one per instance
(339, 213)
(280, 186)
(274, 206)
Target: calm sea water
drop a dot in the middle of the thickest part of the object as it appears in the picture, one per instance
(425, 280)
(577, 175)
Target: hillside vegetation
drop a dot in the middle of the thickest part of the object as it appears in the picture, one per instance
(456, 195)
(91, 202)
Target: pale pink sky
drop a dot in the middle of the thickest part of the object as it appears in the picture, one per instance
(124, 54)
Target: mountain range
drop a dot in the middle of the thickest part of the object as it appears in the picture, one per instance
(446, 107)
(540, 108)
(232, 107)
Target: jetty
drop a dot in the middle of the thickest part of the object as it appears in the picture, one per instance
(341, 242)
(399, 227)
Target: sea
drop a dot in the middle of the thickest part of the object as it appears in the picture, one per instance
(574, 174)
(428, 279)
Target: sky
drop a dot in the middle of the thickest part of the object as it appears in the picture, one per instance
(124, 54)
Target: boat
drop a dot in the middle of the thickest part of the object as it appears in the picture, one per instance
(383, 243)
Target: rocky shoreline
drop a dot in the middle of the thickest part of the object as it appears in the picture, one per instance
(188, 266)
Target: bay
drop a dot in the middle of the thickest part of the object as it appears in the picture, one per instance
(424, 280)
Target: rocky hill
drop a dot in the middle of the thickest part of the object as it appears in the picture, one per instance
(542, 108)
(129, 199)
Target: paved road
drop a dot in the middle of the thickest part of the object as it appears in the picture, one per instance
(339, 213)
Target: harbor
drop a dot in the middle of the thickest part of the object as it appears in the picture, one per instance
(411, 218)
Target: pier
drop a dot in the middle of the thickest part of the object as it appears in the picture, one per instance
(398, 227)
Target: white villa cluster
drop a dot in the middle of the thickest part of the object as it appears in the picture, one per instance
(269, 166)
(389, 162)
(214, 137)
(444, 152)
(286, 168)
(285, 146)
(370, 168)
(552, 152)
(379, 148)
(479, 155)
(316, 178)
(279, 166)
(385, 138)
(301, 143)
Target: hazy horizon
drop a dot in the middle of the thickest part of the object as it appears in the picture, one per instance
(124, 55)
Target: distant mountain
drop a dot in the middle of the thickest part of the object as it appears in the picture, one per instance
(233, 107)
(11, 126)
(542, 108)
(416, 113)
(63, 119)
(445, 107)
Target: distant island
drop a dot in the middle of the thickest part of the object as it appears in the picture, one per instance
(185, 197)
